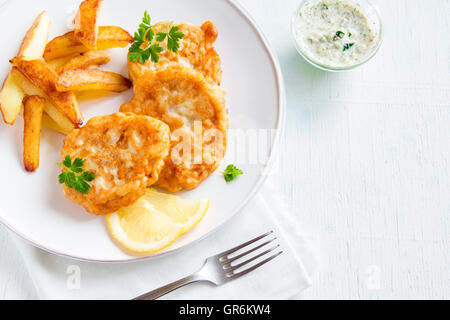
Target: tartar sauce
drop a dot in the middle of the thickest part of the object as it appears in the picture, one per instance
(334, 33)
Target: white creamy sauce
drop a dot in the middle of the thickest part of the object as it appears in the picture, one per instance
(334, 33)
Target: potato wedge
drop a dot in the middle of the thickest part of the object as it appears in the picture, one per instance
(92, 79)
(85, 60)
(86, 23)
(113, 37)
(68, 44)
(11, 97)
(50, 109)
(35, 41)
(32, 115)
(45, 78)
(63, 46)
(58, 63)
(51, 124)
(31, 90)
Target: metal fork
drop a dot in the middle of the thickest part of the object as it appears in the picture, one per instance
(219, 269)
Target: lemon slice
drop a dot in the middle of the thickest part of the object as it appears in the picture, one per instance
(155, 221)
(187, 212)
(143, 229)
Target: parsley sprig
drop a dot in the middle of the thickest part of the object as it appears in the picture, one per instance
(231, 172)
(74, 176)
(147, 45)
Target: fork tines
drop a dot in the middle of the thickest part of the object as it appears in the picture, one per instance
(260, 251)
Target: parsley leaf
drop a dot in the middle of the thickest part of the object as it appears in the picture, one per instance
(324, 7)
(348, 46)
(146, 45)
(82, 186)
(87, 176)
(69, 177)
(62, 177)
(161, 36)
(155, 49)
(173, 38)
(67, 161)
(231, 172)
(146, 18)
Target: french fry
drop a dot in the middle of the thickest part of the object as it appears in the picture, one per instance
(68, 44)
(85, 60)
(31, 90)
(86, 23)
(32, 115)
(35, 41)
(45, 78)
(11, 97)
(92, 79)
(51, 124)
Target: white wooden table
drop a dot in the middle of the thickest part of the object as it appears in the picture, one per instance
(366, 162)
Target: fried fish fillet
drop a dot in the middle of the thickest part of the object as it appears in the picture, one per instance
(126, 152)
(195, 111)
(196, 51)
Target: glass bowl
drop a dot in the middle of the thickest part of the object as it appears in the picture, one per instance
(372, 15)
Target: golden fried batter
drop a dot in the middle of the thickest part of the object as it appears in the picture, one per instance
(125, 151)
(196, 51)
(195, 111)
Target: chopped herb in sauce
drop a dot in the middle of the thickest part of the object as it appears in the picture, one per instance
(324, 7)
(348, 46)
(340, 34)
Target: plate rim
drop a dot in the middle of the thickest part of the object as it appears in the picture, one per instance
(281, 113)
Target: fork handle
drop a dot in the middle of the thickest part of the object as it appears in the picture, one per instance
(155, 294)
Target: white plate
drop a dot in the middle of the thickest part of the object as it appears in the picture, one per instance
(33, 206)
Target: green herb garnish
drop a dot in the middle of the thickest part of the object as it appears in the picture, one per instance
(231, 172)
(324, 7)
(147, 46)
(340, 34)
(348, 46)
(74, 176)
(349, 34)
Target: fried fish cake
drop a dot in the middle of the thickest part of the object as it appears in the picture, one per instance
(125, 151)
(196, 51)
(195, 111)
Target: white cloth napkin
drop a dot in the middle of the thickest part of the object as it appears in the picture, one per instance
(283, 278)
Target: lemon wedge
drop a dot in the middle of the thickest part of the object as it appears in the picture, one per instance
(155, 221)
(187, 212)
